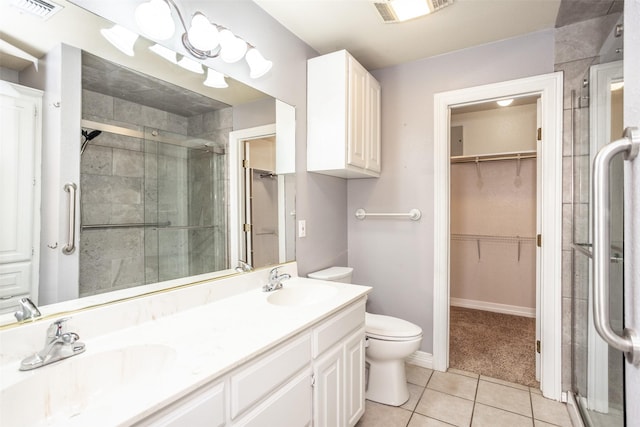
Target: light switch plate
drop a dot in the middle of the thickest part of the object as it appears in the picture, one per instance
(302, 228)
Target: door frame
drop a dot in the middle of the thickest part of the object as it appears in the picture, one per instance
(549, 87)
(236, 184)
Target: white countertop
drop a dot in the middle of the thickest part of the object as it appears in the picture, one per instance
(176, 354)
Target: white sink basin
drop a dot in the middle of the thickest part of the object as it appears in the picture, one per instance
(59, 391)
(296, 293)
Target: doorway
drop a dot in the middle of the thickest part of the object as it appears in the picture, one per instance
(493, 253)
(548, 306)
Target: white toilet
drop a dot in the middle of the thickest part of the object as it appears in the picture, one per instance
(390, 340)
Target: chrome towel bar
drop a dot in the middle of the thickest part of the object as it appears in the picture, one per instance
(413, 214)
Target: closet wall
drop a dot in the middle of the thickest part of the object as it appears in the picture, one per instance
(493, 213)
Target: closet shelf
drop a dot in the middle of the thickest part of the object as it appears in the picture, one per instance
(494, 157)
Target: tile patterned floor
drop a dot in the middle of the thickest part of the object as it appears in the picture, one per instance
(458, 398)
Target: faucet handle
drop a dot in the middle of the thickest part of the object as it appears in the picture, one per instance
(57, 328)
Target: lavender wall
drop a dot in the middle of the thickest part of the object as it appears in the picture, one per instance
(396, 256)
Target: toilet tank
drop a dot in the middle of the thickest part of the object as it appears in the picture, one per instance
(333, 274)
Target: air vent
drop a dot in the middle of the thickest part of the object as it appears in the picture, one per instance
(388, 15)
(42, 9)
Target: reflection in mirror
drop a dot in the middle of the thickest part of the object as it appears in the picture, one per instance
(148, 145)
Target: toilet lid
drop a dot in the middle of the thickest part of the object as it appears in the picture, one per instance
(390, 327)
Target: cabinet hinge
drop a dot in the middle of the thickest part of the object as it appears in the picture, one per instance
(538, 346)
(245, 164)
(246, 228)
(539, 240)
(539, 134)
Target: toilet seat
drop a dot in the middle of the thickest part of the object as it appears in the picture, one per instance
(390, 328)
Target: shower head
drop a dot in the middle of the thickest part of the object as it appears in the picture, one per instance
(88, 136)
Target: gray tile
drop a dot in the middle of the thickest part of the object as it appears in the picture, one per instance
(574, 73)
(534, 390)
(379, 415)
(415, 393)
(417, 374)
(97, 104)
(487, 416)
(128, 163)
(418, 420)
(444, 407)
(504, 397)
(96, 160)
(583, 39)
(550, 411)
(454, 384)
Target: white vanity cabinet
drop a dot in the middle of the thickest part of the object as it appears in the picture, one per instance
(338, 369)
(315, 378)
(343, 117)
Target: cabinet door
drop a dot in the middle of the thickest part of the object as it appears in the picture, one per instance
(328, 395)
(354, 377)
(357, 111)
(373, 125)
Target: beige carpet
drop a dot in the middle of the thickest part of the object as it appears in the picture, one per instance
(493, 344)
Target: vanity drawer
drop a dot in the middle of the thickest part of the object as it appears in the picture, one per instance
(261, 378)
(336, 328)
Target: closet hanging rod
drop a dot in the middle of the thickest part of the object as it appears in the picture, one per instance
(493, 158)
(413, 214)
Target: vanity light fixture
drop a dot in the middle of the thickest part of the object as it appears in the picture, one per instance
(162, 51)
(505, 102)
(121, 38)
(215, 79)
(203, 39)
(191, 65)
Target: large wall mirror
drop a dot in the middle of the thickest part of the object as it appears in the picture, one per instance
(163, 198)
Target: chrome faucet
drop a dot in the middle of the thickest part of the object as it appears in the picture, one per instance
(243, 267)
(275, 280)
(58, 345)
(27, 310)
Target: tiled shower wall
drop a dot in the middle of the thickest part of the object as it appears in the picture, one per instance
(115, 258)
(577, 48)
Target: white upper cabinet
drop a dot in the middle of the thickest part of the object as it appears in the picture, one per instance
(343, 117)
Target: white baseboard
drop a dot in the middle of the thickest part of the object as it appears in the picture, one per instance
(494, 307)
(421, 358)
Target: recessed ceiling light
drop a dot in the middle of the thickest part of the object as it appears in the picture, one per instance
(504, 102)
(616, 86)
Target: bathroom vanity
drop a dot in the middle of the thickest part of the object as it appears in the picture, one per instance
(244, 357)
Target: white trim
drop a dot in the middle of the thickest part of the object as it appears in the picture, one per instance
(420, 358)
(236, 178)
(549, 86)
(494, 307)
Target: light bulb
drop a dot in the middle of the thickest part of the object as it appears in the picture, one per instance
(121, 38)
(505, 102)
(258, 66)
(232, 48)
(215, 79)
(162, 51)
(155, 20)
(191, 65)
(203, 35)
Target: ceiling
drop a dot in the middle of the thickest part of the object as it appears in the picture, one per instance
(355, 25)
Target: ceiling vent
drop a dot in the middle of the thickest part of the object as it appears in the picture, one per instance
(40, 8)
(392, 11)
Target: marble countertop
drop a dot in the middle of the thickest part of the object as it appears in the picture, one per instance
(130, 373)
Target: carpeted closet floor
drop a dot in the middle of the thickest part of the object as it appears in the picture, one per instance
(496, 345)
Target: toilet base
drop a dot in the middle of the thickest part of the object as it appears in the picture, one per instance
(387, 382)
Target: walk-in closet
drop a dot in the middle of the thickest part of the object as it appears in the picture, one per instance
(493, 223)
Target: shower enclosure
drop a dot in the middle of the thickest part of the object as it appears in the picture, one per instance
(598, 369)
(153, 208)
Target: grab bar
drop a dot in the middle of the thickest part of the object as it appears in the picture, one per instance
(414, 214)
(70, 247)
(629, 342)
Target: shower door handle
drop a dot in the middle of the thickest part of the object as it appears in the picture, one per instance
(629, 342)
(70, 247)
